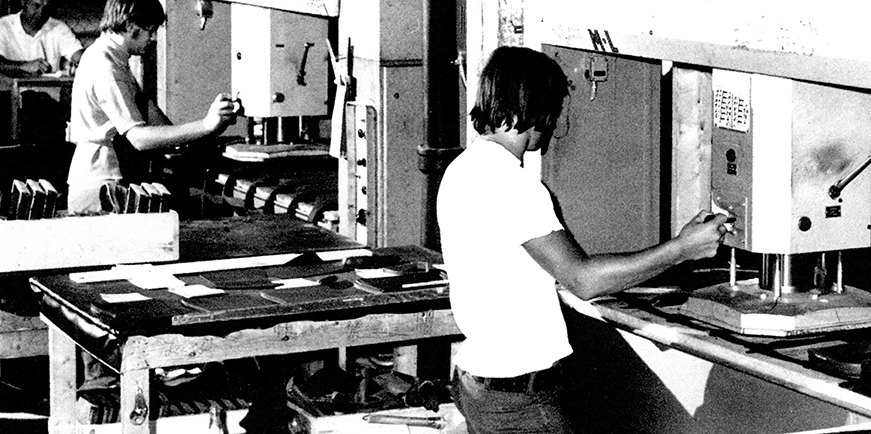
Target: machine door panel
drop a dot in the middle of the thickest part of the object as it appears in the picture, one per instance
(604, 162)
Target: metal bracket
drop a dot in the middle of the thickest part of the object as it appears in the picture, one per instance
(140, 408)
(596, 72)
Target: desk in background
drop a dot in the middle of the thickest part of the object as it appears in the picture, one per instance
(56, 89)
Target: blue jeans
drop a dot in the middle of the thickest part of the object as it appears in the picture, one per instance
(492, 411)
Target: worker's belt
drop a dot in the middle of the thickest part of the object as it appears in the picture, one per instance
(537, 381)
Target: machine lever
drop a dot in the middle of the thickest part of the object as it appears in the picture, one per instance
(836, 188)
(205, 12)
(300, 76)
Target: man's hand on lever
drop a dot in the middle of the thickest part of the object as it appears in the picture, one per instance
(220, 115)
(701, 237)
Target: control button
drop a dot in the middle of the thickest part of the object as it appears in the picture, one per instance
(804, 224)
(731, 155)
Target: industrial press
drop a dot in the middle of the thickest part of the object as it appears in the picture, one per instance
(279, 71)
(788, 162)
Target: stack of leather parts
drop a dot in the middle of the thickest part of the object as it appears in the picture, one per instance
(30, 199)
(135, 198)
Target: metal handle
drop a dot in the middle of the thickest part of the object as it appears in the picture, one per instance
(300, 76)
(835, 190)
(387, 419)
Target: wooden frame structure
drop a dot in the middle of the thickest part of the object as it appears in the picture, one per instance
(140, 355)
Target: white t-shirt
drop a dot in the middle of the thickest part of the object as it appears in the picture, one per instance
(103, 105)
(54, 40)
(505, 304)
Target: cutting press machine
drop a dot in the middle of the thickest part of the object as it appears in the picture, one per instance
(789, 163)
(279, 70)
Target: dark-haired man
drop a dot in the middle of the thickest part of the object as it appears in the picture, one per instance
(502, 273)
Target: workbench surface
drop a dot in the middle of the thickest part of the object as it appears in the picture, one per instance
(251, 318)
(781, 361)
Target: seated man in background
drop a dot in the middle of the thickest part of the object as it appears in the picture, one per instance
(32, 42)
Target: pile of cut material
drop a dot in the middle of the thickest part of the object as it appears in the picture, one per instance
(332, 391)
(135, 198)
(29, 200)
(256, 153)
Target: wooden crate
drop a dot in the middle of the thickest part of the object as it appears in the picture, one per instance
(69, 242)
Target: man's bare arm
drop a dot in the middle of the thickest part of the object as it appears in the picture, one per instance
(590, 277)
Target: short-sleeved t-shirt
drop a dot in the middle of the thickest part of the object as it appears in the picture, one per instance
(54, 40)
(103, 105)
(505, 304)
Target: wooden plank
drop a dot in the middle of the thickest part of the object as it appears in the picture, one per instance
(190, 423)
(691, 144)
(62, 382)
(88, 241)
(23, 343)
(455, 348)
(140, 352)
(800, 66)
(12, 323)
(135, 390)
(405, 359)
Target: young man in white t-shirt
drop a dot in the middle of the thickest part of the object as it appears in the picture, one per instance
(503, 272)
(110, 113)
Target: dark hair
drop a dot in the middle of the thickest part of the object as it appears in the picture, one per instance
(522, 82)
(118, 14)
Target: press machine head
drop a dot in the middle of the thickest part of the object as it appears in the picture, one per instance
(789, 163)
(279, 70)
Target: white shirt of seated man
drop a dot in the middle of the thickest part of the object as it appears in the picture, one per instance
(32, 42)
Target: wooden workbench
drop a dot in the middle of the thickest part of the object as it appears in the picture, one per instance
(172, 332)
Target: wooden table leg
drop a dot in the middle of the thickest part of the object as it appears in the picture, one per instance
(62, 382)
(405, 360)
(14, 118)
(455, 348)
(137, 410)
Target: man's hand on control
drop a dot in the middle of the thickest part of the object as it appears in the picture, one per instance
(220, 114)
(701, 237)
